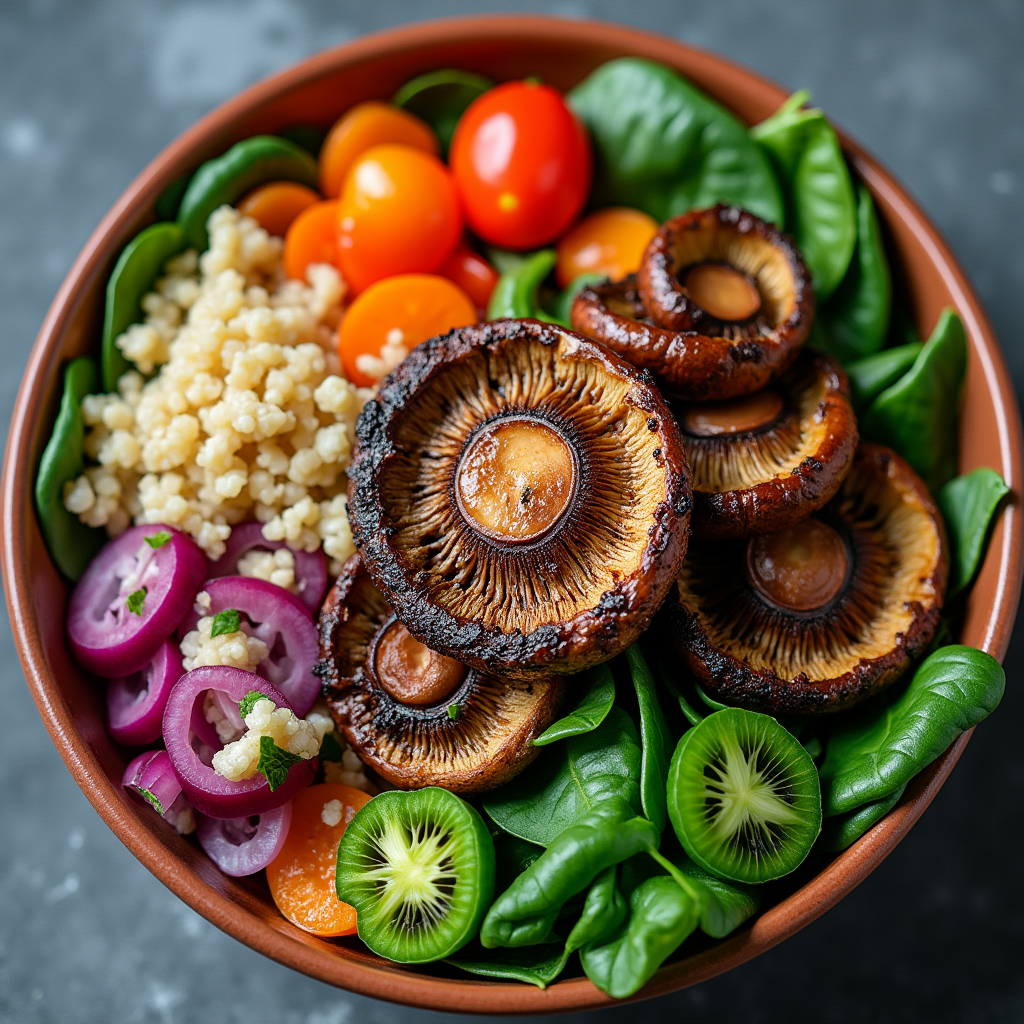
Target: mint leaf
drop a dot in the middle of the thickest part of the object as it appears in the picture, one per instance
(330, 748)
(453, 711)
(152, 798)
(227, 621)
(248, 702)
(275, 762)
(157, 540)
(135, 600)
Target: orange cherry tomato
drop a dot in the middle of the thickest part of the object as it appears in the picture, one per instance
(367, 125)
(392, 317)
(301, 876)
(312, 238)
(473, 274)
(610, 242)
(399, 214)
(522, 162)
(275, 205)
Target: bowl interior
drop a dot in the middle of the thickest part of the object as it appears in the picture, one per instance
(317, 92)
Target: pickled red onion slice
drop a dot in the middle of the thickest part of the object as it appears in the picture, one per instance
(135, 703)
(151, 777)
(243, 846)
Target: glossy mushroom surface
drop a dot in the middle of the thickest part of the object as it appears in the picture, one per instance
(821, 615)
(768, 460)
(521, 497)
(416, 717)
(719, 308)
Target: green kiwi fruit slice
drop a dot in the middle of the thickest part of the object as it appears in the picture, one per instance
(744, 797)
(419, 869)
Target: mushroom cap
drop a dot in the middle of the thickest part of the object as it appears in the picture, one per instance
(488, 742)
(769, 477)
(653, 321)
(576, 595)
(747, 652)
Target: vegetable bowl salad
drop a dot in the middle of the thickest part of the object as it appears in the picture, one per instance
(518, 528)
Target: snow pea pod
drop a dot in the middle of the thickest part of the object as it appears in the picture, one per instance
(72, 544)
(821, 211)
(663, 146)
(877, 751)
(515, 294)
(870, 376)
(228, 177)
(590, 711)
(917, 414)
(844, 830)
(855, 320)
(655, 742)
(967, 504)
(440, 98)
(526, 912)
(133, 276)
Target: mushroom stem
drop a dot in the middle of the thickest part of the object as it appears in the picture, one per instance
(410, 671)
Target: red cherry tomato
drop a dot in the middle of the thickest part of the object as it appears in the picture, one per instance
(398, 214)
(473, 274)
(522, 164)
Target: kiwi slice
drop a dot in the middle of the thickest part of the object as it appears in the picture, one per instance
(744, 797)
(419, 869)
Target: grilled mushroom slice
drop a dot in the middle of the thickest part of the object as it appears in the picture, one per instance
(770, 459)
(521, 497)
(719, 308)
(821, 615)
(414, 716)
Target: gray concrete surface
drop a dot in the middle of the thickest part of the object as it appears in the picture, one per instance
(90, 90)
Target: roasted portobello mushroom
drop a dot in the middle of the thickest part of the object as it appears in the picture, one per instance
(521, 498)
(414, 716)
(818, 616)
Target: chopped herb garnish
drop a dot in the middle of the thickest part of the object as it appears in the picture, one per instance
(227, 621)
(152, 798)
(453, 711)
(157, 540)
(330, 748)
(248, 702)
(135, 600)
(275, 762)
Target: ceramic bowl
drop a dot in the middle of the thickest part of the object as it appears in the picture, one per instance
(318, 91)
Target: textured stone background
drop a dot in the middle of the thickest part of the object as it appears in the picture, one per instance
(91, 90)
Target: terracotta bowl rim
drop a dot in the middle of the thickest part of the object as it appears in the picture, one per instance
(347, 968)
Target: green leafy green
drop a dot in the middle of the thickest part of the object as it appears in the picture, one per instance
(157, 540)
(844, 830)
(72, 544)
(590, 710)
(330, 748)
(690, 713)
(227, 621)
(512, 857)
(715, 705)
(655, 743)
(274, 762)
(561, 309)
(724, 906)
(855, 319)
(917, 415)
(152, 798)
(440, 98)
(133, 275)
(870, 376)
(569, 779)
(453, 711)
(135, 600)
(663, 146)
(967, 504)
(248, 702)
(875, 752)
(603, 912)
(821, 210)
(536, 965)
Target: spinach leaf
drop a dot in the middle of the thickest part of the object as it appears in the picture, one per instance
(561, 308)
(440, 98)
(603, 912)
(917, 415)
(845, 829)
(967, 504)
(878, 751)
(661, 916)
(690, 713)
(590, 711)
(663, 146)
(515, 294)
(536, 965)
(870, 376)
(821, 211)
(855, 320)
(569, 779)
(724, 906)
(655, 742)
(512, 856)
